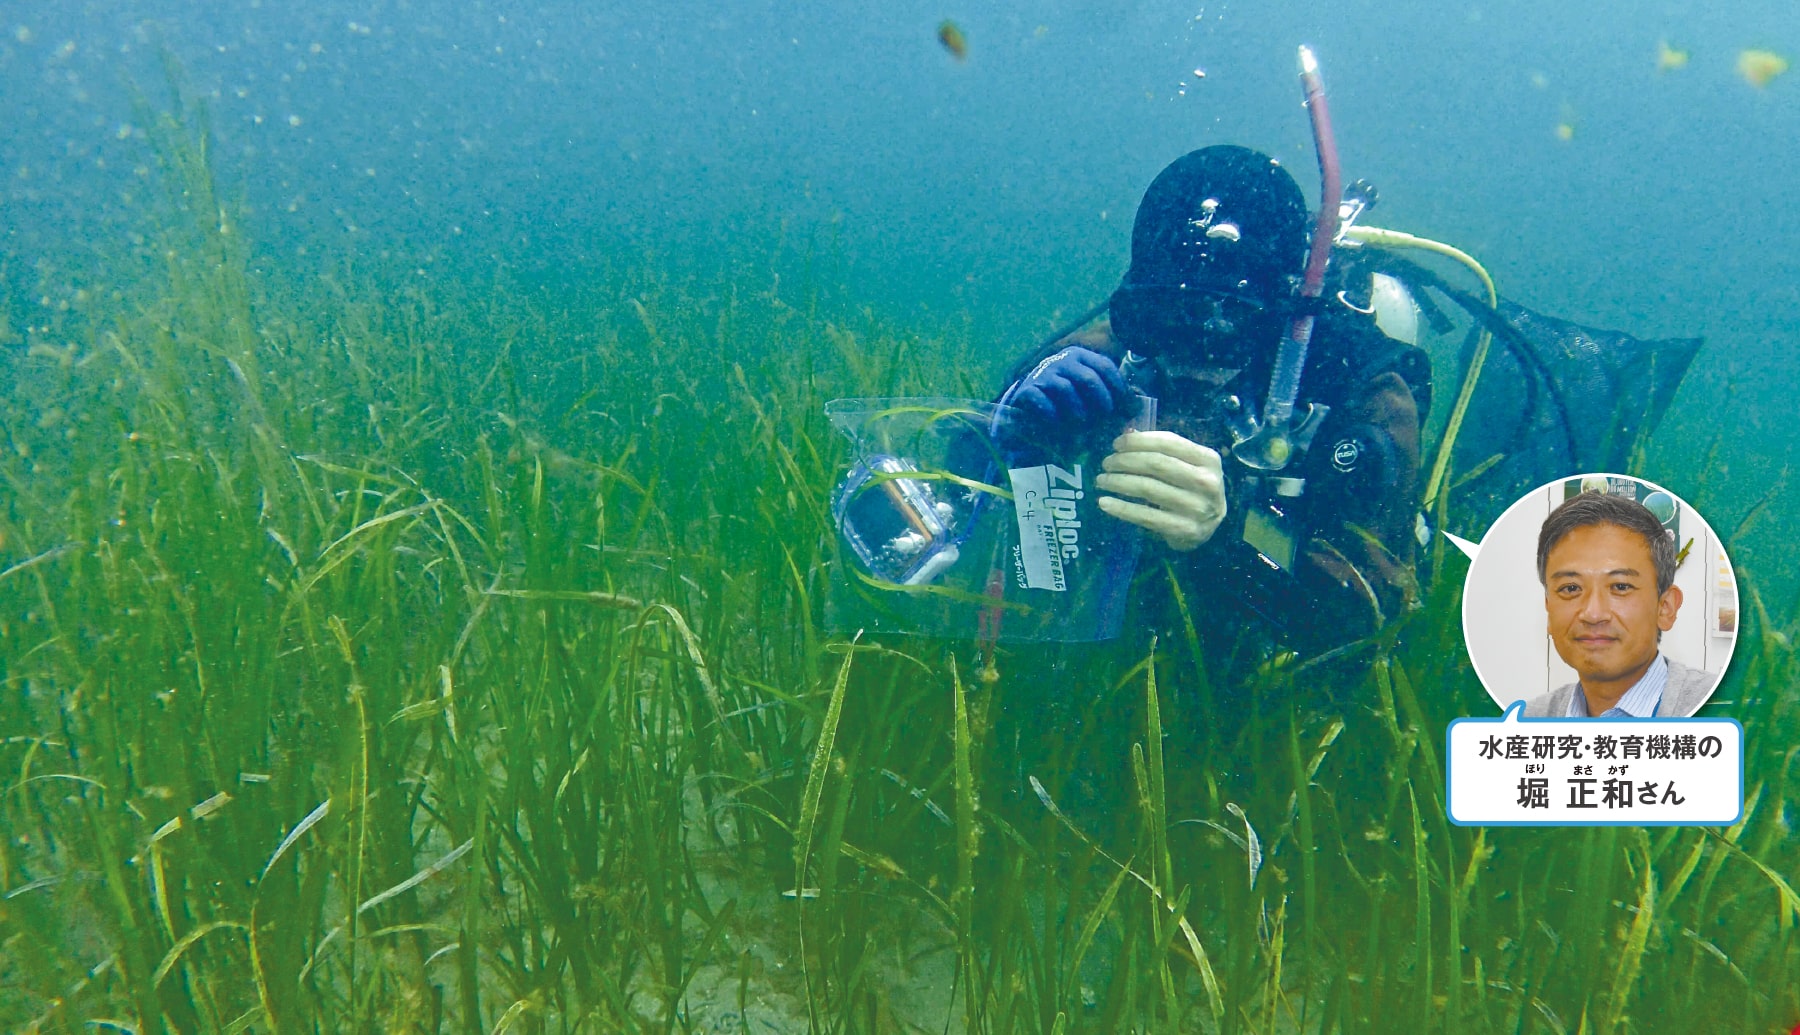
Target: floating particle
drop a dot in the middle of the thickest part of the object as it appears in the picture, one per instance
(293, 120)
(1668, 59)
(1565, 126)
(1199, 73)
(1760, 67)
(951, 36)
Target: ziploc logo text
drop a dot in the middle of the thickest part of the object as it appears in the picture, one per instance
(1044, 499)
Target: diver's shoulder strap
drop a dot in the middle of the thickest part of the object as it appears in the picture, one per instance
(1413, 365)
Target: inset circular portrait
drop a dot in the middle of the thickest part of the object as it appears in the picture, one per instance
(1601, 595)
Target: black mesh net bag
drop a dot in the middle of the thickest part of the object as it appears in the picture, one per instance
(1555, 398)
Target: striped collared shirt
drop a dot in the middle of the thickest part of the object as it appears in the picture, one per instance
(1639, 702)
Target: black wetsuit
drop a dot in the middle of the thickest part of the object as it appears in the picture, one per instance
(1355, 527)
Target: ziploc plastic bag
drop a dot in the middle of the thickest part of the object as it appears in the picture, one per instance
(941, 533)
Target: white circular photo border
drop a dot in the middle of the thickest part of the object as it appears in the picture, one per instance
(1504, 624)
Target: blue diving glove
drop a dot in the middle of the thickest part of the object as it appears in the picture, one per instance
(1073, 387)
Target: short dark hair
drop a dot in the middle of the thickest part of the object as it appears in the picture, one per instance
(1599, 508)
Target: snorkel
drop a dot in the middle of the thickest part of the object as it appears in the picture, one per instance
(1275, 439)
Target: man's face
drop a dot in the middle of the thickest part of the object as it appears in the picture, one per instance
(1600, 592)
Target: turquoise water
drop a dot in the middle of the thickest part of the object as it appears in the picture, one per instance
(1000, 189)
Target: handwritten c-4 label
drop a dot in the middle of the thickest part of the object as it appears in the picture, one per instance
(1044, 500)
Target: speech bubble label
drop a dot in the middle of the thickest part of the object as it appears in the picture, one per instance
(1469, 549)
(1515, 771)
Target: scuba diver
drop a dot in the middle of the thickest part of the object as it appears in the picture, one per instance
(1321, 546)
(1253, 396)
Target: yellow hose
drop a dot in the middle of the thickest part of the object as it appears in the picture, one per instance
(1380, 238)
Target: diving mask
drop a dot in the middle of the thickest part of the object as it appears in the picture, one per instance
(1215, 327)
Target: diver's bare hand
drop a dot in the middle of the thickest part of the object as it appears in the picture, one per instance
(1180, 482)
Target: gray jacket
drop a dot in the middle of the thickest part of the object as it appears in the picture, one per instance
(1685, 692)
